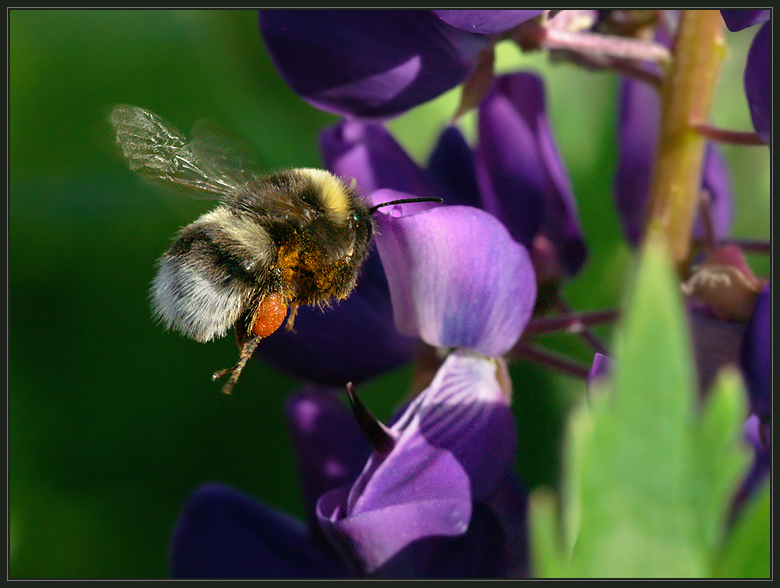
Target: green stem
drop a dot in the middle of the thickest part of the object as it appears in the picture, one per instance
(686, 97)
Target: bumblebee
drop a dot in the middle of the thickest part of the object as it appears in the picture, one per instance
(275, 241)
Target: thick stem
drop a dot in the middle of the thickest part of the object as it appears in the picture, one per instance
(686, 97)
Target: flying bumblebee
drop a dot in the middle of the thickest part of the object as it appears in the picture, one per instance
(275, 242)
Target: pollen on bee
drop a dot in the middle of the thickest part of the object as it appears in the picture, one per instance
(269, 316)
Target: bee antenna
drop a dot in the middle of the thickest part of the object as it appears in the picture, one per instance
(373, 209)
(246, 352)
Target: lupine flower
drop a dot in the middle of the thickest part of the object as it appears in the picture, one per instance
(369, 154)
(424, 509)
(457, 279)
(758, 69)
(436, 524)
(223, 533)
(439, 499)
(736, 20)
(758, 435)
(521, 175)
(368, 63)
(758, 81)
(437, 268)
(329, 446)
(432, 493)
(378, 64)
(514, 172)
(755, 356)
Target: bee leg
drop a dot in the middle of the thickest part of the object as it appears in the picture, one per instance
(247, 349)
(291, 318)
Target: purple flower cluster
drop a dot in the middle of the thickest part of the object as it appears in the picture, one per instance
(514, 173)
(434, 493)
(442, 502)
(439, 479)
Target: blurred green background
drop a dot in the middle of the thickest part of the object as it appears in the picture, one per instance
(114, 421)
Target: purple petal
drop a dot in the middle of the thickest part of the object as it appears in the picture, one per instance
(638, 120)
(758, 435)
(329, 445)
(353, 340)
(523, 179)
(602, 365)
(478, 553)
(510, 503)
(370, 538)
(223, 534)
(488, 22)
(455, 442)
(510, 168)
(736, 20)
(716, 181)
(756, 358)
(451, 164)
(466, 411)
(456, 276)
(561, 222)
(368, 153)
(367, 63)
(758, 81)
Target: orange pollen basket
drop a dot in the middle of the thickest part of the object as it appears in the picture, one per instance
(269, 316)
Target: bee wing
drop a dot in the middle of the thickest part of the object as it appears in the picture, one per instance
(162, 154)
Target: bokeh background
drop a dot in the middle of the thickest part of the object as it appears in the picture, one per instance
(113, 421)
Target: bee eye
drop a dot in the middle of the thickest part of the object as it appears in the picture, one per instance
(308, 197)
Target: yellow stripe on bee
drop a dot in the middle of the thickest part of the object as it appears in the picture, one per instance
(332, 193)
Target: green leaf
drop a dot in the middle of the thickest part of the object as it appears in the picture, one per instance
(747, 552)
(649, 474)
(546, 557)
